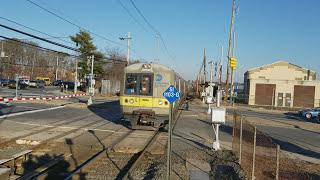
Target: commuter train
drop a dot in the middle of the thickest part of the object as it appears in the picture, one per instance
(141, 98)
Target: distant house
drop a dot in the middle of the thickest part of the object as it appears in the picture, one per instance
(282, 84)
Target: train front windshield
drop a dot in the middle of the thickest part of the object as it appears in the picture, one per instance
(139, 84)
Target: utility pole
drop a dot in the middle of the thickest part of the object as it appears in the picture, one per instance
(232, 71)
(57, 67)
(211, 71)
(76, 77)
(204, 75)
(157, 47)
(204, 65)
(229, 52)
(128, 38)
(220, 66)
(91, 89)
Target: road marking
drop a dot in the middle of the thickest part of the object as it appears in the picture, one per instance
(63, 127)
(26, 107)
(29, 112)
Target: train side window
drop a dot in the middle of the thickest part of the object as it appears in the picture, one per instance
(146, 85)
(131, 84)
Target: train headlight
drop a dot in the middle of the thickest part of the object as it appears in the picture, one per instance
(160, 102)
(146, 66)
(131, 101)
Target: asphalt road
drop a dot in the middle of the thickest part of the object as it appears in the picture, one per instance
(296, 140)
(30, 92)
(8, 108)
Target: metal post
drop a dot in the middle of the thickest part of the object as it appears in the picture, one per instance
(278, 159)
(240, 146)
(216, 143)
(169, 144)
(17, 84)
(57, 68)
(218, 96)
(91, 90)
(254, 153)
(76, 78)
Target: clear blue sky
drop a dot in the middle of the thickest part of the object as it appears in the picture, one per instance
(266, 31)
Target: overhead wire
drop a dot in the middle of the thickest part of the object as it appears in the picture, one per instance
(40, 38)
(72, 23)
(152, 28)
(33, 29)
(17, 41)
(79, 27)
(131, 15)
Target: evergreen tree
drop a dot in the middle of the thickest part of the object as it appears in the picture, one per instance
(86, 47)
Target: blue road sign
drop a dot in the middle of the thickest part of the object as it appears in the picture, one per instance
(171, 94)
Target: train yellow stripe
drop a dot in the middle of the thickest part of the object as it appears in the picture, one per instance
(143, 101)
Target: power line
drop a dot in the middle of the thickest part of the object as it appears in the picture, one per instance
(74, 24)
(131, 15)
(32, 29)
(153, 28)
(17, 41)
(40, 38)
(144, 18)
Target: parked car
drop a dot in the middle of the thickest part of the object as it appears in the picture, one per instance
(33, 83)
(40, 83)
(68, 85)
(4, 82)
(310, 113)
(45, 79)
(21, 84)
(57, 83)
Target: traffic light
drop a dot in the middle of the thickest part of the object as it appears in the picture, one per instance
(233, 63)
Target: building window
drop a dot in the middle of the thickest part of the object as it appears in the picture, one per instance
(305, 78)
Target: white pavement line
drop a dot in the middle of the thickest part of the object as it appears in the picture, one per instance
(29, 112)
(65, 127)
(26, 107)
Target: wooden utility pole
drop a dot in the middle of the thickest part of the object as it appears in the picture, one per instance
(220, 67)
(204, 65)
(229, 52)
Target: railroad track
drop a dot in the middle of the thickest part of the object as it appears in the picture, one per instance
(125, 173)
(44, 167)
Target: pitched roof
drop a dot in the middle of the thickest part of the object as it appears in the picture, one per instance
(280, 63)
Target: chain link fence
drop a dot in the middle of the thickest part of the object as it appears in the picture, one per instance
(261, 158)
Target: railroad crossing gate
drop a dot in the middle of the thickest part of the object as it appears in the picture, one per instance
(171, 94)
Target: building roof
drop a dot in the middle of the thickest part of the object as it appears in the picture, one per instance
(277, 63)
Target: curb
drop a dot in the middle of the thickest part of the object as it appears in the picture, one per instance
(40, 98)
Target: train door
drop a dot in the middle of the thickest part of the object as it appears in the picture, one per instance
(146, 90)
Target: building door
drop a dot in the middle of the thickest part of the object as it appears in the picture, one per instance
(280, 100)
(303, 96)
(288, 100)
(265, 94)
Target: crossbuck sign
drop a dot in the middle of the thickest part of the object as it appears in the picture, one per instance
(171, 94)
